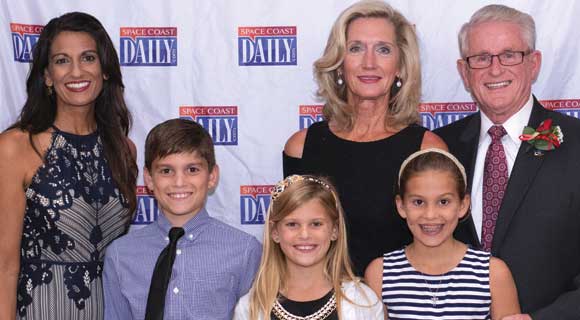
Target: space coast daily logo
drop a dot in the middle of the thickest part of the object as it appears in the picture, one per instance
(147, 210)
(254, 203)
(267, 46)
(220, 121)
(310, 114)
(148, 46)
(436, 115)
(24, 38)
(570, 107)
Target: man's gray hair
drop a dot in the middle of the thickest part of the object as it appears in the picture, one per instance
(499, 13)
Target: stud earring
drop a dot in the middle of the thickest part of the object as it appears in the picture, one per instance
(399, 83)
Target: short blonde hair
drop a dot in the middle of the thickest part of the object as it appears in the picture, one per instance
(272, 273)
(402, 109)
(499, 13)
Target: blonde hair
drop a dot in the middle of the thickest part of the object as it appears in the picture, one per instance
(292, 193)
(499, 13)
(402, 109)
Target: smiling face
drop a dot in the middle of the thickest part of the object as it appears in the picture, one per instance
(371, 60)
(181, 182)
(500, 91)
(305, 235)
(74, 70)
(432, 207)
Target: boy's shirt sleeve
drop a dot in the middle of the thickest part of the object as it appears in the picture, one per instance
(116, 305)
(253, 254)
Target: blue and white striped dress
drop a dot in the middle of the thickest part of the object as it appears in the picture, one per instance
(462, 293)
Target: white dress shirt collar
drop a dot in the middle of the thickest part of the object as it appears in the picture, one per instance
(514, 126)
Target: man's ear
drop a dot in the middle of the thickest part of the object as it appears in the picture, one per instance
(536, 63)
(463, 70)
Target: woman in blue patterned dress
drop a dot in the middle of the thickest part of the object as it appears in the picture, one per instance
(68, 175)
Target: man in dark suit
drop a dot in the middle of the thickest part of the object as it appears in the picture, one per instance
(525, 201)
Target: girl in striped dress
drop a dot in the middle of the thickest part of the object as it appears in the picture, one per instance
(436, 276)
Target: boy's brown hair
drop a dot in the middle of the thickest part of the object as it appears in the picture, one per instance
(178, 136)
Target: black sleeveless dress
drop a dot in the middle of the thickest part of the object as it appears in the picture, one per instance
(365, 175)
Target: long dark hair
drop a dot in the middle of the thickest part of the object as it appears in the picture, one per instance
(111, 113)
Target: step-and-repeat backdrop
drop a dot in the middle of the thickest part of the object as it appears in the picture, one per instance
(243, 69)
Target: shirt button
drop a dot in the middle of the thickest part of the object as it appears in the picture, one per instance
(175, 290)
(190, 237)
(178, 251)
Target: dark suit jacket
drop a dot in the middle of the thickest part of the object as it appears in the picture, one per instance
(538, 228)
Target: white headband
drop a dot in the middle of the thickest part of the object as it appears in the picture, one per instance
(436, 150)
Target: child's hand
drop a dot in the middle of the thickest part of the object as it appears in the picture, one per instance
(517, 317)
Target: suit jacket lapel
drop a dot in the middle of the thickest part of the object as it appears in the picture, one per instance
(469, 139)
(523, 173)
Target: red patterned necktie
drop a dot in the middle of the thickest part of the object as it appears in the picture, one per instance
(495, 178)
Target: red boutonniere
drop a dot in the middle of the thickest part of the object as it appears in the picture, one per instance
(545, 138)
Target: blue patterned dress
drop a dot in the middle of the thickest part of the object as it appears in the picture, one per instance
(73, 211)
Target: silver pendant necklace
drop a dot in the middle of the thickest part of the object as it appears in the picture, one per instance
(433, 294)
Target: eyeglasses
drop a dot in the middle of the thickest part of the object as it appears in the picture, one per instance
(506, 58)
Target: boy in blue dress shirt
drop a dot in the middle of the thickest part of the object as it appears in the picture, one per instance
(214, 263)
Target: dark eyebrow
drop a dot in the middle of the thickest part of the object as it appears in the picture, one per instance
(66, 55)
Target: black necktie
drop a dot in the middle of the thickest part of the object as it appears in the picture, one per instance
(161, 277)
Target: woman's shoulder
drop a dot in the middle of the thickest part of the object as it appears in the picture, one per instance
(431, 140)
(14, 135)
(16, 148)
(14, 143)
(295, 144)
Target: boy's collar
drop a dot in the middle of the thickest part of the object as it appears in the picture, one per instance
(190, 227)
